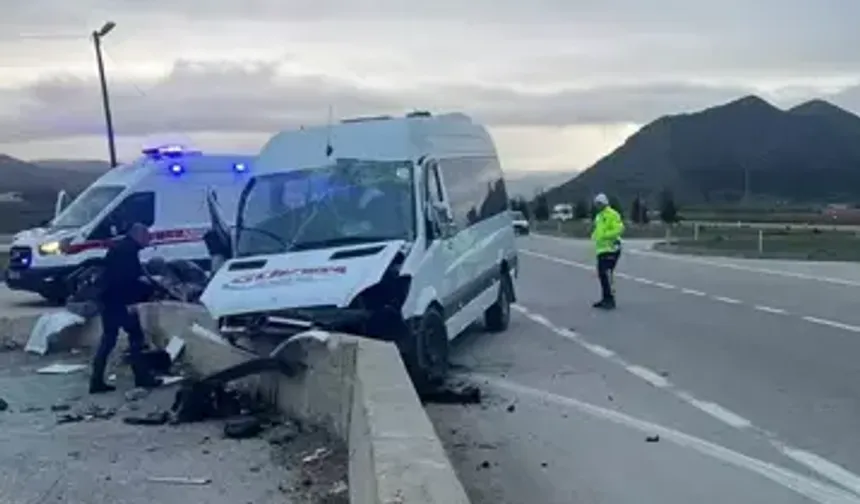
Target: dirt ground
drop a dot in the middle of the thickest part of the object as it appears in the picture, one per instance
(100, 458)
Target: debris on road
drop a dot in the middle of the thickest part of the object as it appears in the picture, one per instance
(174, 348)
(3, 405)
(57, 408)
(154, 418)
(243, 427)
(48, 327)
(9, 345)
(512, 408)
(453, 394)
(60, 368)
(179, 480)
(136, 394)
(318, 454)
(652, 439)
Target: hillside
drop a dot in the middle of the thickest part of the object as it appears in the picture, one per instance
(75, 165)
(809, 153)
(34, 179)
(39, 185)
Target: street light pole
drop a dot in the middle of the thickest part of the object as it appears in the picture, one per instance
(97, 43)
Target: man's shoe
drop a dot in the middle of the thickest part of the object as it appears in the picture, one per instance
(101, 388)
(605, 304)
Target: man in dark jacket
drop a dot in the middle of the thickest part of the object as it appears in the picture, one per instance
(122, 287)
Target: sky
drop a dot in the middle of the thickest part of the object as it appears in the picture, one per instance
(560, 83)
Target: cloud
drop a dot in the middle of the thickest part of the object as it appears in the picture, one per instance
(257, 96)
(550, 70)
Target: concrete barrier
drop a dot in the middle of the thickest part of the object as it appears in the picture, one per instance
(354, 387)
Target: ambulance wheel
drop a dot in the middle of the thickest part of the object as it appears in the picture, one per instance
(497, 318)
(427, 354)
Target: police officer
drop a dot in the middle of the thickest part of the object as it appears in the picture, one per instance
(122, 286)
(606, 235)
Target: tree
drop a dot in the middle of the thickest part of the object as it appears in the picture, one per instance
(643, 214)
(521, 205)
(541, 207)
(668, 209)
(615, 203)
(581, 210)
(636, 211)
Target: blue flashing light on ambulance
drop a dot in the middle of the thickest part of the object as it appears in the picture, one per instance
(165, 188)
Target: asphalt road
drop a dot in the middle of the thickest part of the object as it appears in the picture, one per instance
(746, 371)
(716, 381)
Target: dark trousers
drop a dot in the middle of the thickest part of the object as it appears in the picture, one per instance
(606, 263)
(115, 318)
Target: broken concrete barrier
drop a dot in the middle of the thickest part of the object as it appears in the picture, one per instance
(356, 388)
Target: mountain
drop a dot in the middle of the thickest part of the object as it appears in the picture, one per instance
(35, 179)
(76, 165)
(809, 153)
(525, 184)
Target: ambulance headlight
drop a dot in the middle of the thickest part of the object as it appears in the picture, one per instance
(50, 248)
(176, 169)
(240, 167)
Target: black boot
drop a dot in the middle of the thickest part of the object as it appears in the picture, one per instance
(605, 304)
(98, 386)
(97, 379)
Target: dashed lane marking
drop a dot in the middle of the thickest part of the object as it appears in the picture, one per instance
(832, 323)
(697, 293)
(820, 465)
(724, 299)
(810, 488)
(769, 309)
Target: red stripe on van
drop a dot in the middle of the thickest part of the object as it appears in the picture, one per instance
(161, 237)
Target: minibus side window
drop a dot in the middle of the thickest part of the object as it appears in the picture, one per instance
(136, 207)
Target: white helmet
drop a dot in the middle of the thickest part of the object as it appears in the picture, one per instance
(601, 199)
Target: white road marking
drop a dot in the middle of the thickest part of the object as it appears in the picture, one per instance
(558, 260)
(826, 468)
(643, 281)
(832, 323)
(723, 299)
(693, 292)
(728, 300)
(540, 319)
(649, 376)
(717, 411)
(520, 308)
(752, 269)
(768, 309)
(599, 350)
(817, 491)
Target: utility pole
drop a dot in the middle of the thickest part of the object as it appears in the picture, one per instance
(97, 43)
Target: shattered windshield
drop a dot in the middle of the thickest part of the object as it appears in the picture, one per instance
(350, 201)
(87, 206)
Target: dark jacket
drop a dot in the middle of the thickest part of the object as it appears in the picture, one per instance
(121, 279)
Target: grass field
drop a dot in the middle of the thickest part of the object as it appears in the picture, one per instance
(776, 243)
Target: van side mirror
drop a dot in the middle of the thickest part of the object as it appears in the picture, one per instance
(442, 220)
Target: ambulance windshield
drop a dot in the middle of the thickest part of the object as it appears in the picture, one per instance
(87, 206)
(351, 201)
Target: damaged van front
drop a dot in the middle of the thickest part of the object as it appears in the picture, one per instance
(321, 246)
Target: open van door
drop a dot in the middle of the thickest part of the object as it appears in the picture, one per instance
(218, 238)
(62, 201)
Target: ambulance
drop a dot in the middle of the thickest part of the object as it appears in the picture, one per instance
(396, 228)
(165, 188)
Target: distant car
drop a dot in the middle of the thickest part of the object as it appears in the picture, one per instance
(521, 224)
